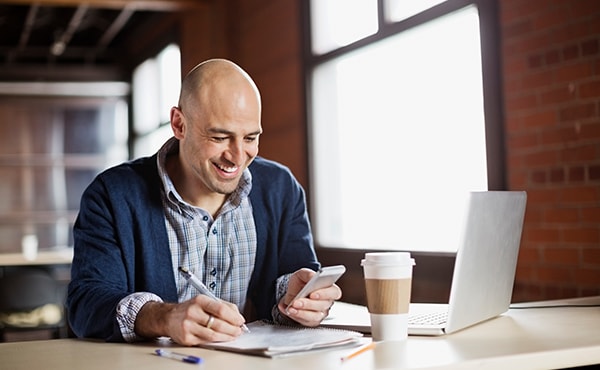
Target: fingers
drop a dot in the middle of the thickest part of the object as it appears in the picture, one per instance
(309, 311)
(312, 310)
(304, 275)
(329, 294)
(203, 319)
(223, 311)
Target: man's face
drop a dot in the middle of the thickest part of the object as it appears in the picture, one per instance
(221, 139)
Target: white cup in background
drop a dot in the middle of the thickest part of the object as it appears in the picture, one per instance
(29, 246)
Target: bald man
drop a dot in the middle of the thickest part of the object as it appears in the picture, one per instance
(205, 202)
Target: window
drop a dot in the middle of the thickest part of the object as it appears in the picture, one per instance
(397, 124)
(156, 84)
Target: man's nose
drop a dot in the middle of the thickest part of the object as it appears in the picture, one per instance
(236, 151)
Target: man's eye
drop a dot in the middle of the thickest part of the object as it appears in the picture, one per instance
(219, 139)
(251, 139)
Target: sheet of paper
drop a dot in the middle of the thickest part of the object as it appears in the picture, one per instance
(271, 340)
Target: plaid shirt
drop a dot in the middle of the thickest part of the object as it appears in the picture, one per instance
(221, 251)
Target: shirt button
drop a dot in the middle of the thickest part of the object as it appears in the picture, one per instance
(205, 218)
(212, 285)
(213, 272)
(214, 231)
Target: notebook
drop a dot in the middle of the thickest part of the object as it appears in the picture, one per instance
(484, 270)
(271, 340)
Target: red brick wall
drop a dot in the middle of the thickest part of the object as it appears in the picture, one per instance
(551, 73)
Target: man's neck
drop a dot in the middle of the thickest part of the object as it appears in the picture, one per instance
(189, 191)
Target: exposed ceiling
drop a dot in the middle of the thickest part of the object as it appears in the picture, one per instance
(38, 37)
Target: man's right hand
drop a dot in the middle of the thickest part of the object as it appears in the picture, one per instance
(189, 323)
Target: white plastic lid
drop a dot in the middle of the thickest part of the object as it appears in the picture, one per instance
(388, 258)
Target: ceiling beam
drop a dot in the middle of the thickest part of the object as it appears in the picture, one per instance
(115, 27)
(141, 5)
(110, 33)
(24, 39)
(60, 45)
(28, 26)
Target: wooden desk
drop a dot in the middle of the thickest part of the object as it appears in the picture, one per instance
(533, 338)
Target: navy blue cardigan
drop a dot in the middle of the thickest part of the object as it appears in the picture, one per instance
(121, 244)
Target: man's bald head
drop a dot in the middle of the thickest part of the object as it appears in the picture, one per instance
(212, 77)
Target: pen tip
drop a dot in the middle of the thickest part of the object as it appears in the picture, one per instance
(182, 269)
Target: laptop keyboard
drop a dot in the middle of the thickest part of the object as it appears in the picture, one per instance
(428, 318)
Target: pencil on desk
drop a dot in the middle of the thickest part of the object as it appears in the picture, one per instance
(358, 352)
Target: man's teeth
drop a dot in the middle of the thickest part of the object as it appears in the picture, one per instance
(227, 169)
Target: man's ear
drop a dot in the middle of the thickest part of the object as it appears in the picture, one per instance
(177, 122)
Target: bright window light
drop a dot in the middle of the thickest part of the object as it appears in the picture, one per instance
(169, 66)
(145, 88)
(156, 85)
(398, 138)
(150, 143)
(338, 23)
(397, 10)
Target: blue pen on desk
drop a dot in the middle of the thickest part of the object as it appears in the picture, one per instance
(178, 356)
(198, 284)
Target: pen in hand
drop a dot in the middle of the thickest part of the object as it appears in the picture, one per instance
(198, 284)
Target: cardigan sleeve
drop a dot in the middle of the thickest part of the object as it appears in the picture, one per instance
(98, 275)
(120, 247)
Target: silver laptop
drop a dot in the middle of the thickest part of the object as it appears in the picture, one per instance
(484, 270)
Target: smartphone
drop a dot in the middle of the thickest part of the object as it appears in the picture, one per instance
(325, 277)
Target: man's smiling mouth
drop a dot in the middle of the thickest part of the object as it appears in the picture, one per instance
(227, 169)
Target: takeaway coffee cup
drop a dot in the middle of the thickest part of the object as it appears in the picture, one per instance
(388, 281)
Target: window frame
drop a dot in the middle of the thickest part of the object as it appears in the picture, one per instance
(432, 275)
(491, 78)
